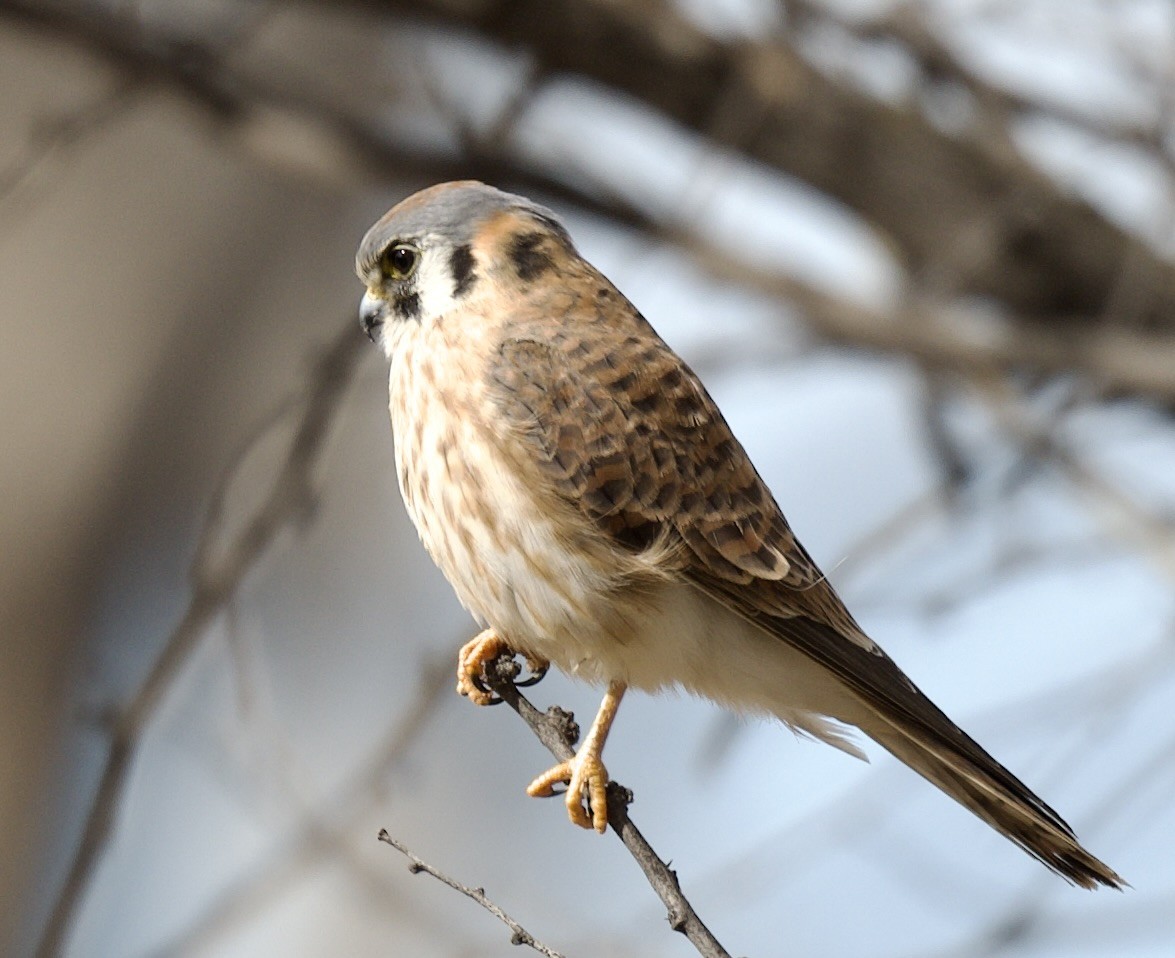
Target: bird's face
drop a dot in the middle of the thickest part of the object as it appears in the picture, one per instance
(447, 247)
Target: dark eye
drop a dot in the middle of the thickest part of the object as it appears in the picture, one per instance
(400, 261)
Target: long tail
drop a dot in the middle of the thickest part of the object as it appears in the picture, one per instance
(873, 694)
(978, 782)
(889, 708)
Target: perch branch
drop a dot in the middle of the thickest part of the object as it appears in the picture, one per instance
(554, 729)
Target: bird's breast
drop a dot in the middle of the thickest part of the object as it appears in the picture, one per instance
(520, 560)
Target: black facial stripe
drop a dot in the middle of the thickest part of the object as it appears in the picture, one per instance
(408, 307)
(528, 256)
(461, 264)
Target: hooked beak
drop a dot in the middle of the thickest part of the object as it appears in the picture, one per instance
(372, 312)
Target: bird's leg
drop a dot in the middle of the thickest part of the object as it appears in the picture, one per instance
(585, 770)
(478, 653)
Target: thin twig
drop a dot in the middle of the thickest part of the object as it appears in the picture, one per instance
(215, 581)
(556, 729)
(324, 832)
(518, 934)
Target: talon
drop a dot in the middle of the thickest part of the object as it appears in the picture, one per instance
(586, 777)
(538, 669)
(473, 657)
(584, 773)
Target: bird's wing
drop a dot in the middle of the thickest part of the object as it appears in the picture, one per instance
(626, 432)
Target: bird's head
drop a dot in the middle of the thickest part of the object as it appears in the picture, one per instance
(448, 245)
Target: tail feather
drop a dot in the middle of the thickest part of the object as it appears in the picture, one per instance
(878, 698)
(1003, 801)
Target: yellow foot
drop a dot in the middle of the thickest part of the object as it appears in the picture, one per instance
(472, 658)
(584, 771)
(478, 653)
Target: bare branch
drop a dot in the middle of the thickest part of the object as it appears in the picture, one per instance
(518, 936)
(1043, 252)
(324, 833)
(556, 729)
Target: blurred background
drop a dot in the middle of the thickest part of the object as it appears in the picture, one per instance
(921, 253)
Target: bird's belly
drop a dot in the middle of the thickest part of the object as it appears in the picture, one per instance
(518, 562)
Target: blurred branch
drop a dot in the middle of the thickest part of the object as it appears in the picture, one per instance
(215, 581)
(53, 138)
(908, 25)
(953, 463)
(1123, 516)
(325, 833)
(1115, 358)
(1012, 232)
(558, 732)
(518, 934)
(262, 118)
(249, 113)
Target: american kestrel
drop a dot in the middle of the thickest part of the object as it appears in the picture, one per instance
(583, 494)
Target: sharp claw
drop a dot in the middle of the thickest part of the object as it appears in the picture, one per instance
(476, 654)
(490, 697)
(471, 660)
(538, 673)
(579, 773)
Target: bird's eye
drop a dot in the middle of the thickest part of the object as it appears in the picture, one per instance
(400, 261)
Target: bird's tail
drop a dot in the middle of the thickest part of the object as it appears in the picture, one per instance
(978, 782)
(858, 684)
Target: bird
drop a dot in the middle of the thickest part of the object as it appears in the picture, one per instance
(591, 508)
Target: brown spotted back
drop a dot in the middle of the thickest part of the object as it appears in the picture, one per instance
(626, 432)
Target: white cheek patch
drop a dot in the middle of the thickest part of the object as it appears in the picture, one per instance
(435, 285)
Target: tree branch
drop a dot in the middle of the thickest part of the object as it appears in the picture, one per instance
(556, 729)
(1010, 231)
(518, 934)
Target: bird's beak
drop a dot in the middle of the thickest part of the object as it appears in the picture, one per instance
(372, 312)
